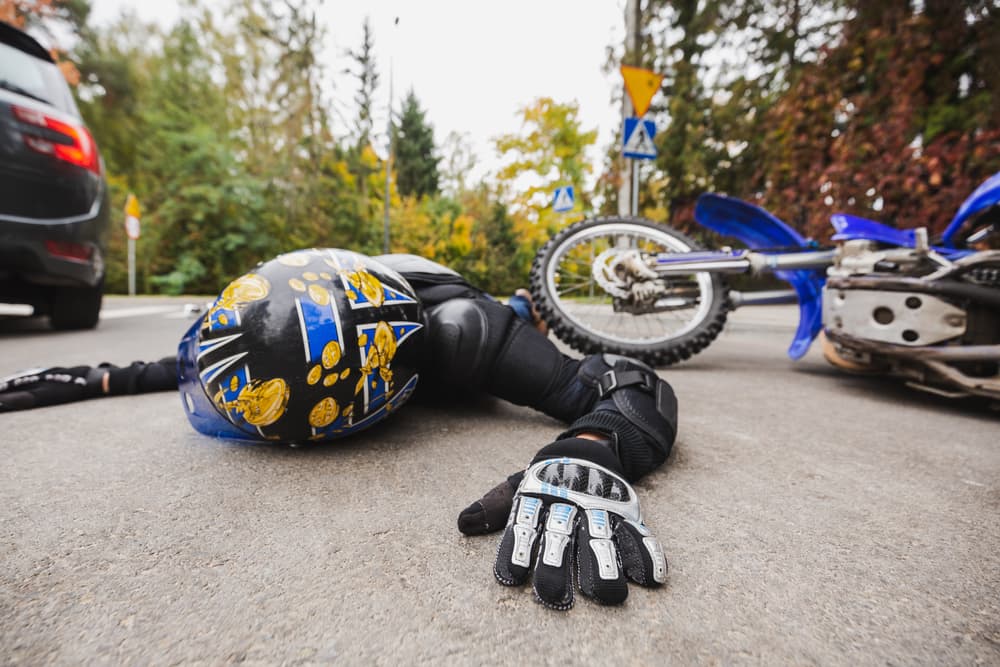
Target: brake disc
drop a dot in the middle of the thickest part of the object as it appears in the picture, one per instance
(605, 274)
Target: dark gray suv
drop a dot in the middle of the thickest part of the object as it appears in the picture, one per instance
(53, 196)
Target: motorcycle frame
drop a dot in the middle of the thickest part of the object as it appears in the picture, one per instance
(774, 247)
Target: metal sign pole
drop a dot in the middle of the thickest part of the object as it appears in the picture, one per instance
(131, 267)
(635, 188)
(388, 160)
(132, 230)
(388, 171)
(633, 26)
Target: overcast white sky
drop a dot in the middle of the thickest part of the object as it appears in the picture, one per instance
(471, 63)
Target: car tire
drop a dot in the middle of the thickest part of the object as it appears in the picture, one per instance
(76, 307)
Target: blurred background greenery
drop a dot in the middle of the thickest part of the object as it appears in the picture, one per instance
(223, 130)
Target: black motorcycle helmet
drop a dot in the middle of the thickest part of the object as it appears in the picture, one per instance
(313, 345)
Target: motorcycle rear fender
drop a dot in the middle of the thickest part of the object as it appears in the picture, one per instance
(759, 229)
(751, 224)
(985, 196)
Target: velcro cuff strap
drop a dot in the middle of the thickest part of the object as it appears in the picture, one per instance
(616, 379)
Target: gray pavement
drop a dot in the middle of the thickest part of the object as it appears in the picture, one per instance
(809, 517)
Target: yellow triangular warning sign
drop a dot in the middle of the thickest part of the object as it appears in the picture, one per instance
(132, 206)
(641, 85)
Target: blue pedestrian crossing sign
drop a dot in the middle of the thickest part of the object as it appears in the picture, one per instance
(639, 139)
(562, 201)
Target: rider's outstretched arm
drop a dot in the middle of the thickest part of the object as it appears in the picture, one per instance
(481, 345)
(40, 387)
(571, 519)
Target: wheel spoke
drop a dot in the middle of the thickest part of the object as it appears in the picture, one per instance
(572, 288)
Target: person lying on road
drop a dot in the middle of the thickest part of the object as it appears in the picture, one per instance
(320, 344)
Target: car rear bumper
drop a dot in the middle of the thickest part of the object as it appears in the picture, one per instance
(26, 255)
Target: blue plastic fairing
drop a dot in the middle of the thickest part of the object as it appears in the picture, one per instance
(852, 227)
(759, 229)
(985, 196)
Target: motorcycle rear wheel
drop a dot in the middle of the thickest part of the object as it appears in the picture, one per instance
(582, 314)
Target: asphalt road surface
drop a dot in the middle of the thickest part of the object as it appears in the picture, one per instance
(809, 517)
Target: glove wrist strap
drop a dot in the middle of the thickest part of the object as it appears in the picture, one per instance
(636, 410)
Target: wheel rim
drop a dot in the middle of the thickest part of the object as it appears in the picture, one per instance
(579, 299)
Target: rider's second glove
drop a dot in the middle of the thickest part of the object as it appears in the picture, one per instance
(576, 522)
(51, 386)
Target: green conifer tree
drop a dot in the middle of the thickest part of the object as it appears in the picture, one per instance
(416, 161)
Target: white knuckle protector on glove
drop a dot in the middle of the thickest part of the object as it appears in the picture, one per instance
(575, 518)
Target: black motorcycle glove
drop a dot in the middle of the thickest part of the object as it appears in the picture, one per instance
(572, 517)
(489, 514)
(576, 522)
(41, 387)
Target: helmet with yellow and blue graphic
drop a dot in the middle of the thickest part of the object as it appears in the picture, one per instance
(312, 345)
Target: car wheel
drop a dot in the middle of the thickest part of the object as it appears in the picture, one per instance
(76, 307)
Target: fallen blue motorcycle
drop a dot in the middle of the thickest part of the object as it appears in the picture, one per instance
(881, 299)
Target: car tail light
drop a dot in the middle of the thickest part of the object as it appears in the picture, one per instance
(68, 250)
(82, 152)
